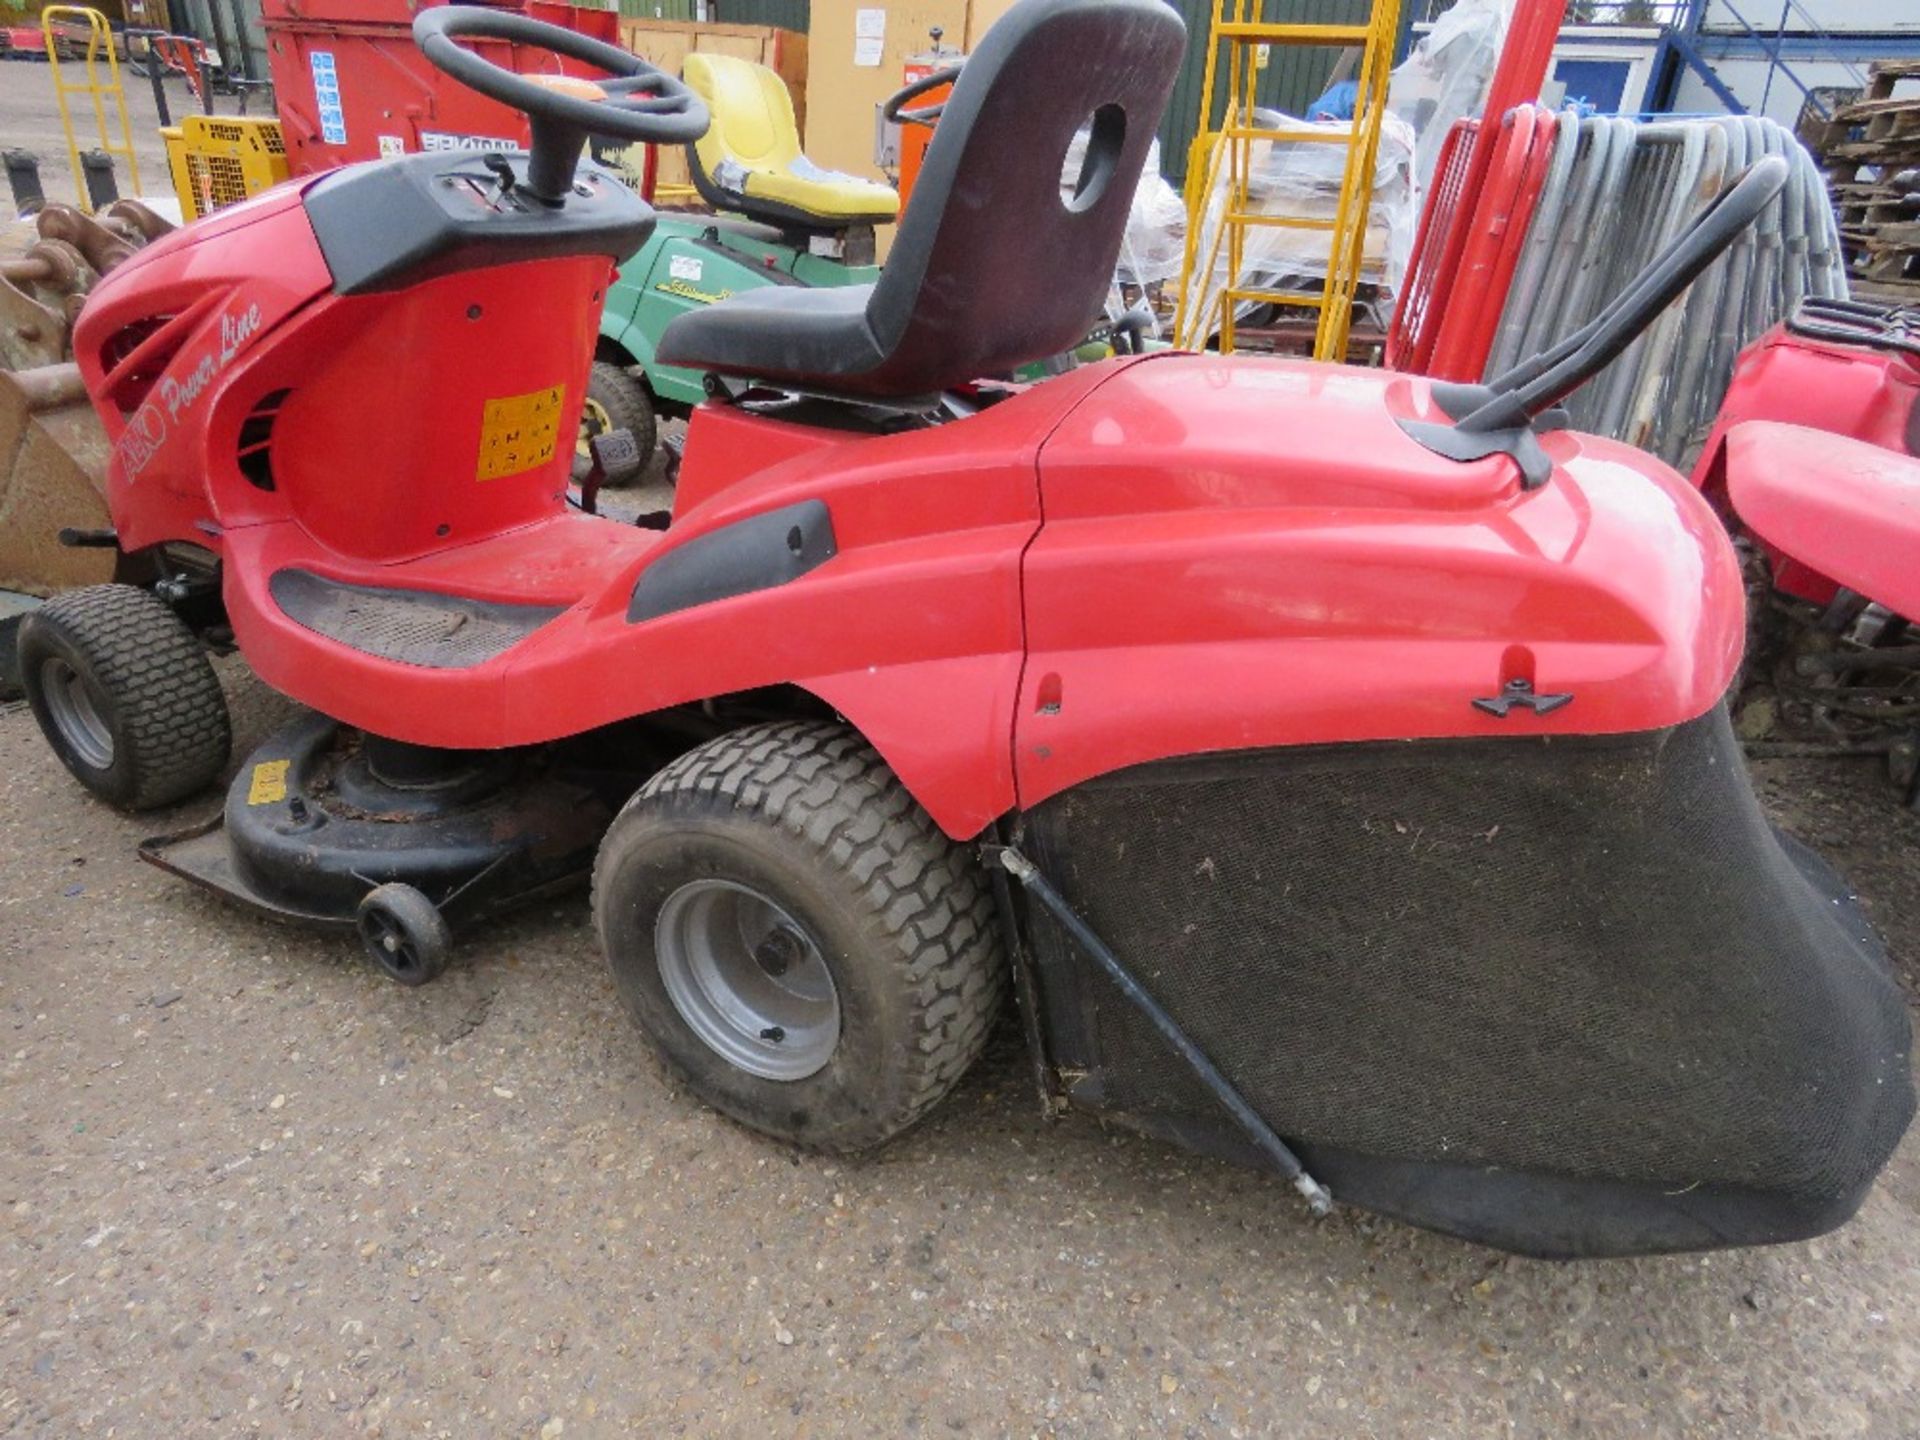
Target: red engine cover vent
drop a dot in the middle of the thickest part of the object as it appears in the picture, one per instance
(136, 355)
(254, 452)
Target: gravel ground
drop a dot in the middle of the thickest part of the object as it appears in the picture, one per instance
(250, 1189)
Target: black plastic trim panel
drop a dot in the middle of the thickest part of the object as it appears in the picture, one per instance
(399, 222)
(758, 553)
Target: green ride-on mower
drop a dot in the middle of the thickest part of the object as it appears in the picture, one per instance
(783, 221)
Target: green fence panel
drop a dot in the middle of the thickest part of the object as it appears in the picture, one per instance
(658, 9)
(787, 14)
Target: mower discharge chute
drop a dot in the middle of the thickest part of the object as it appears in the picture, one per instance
(1335, 763)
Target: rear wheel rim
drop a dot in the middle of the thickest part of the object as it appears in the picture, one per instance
(75, 711)
(748, 979)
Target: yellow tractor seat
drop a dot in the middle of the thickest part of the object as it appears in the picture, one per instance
(749, 160)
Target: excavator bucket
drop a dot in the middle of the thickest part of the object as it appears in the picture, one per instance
(53, 469)
(53, 451)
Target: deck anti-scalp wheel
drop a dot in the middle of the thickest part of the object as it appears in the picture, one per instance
(404, 933)
(616, 401)
(125, 695)
(797, 937)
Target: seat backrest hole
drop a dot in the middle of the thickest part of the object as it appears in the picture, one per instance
(1106, 133)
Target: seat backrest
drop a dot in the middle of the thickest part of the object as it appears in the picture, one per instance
(751, 113)
(995, 265)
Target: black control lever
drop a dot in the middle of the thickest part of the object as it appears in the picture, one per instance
(502, 171)
(1504, 416)
(1543, 380)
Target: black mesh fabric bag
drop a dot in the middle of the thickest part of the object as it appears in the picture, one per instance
(1569, 996)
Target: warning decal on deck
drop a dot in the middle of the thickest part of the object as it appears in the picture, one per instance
(518, 432)
(269, 783)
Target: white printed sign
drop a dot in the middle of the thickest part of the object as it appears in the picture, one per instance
(869, 36)
(447, 140)
(326, 97)
(686, 267)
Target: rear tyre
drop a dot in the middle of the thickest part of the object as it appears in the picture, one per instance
(125, 695)
(404, 933)
(616, 401)
(797, 937)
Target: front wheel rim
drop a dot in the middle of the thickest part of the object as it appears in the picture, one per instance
(594, 420)
(390, 943)
(747, 979)
(75, 712)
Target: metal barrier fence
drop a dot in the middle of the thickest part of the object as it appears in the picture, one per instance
(1617, 191)
(1421, 301)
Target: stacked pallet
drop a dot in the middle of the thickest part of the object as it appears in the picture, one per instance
(1871, 153)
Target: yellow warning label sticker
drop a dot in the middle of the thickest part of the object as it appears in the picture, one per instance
(269, 783)
(518, 432)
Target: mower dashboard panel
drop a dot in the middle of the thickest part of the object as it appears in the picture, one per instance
(395, 223)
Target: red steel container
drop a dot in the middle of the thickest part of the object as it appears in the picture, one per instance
(351, 85)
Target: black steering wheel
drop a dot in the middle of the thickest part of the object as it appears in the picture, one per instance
(641, 102)
(926, 114)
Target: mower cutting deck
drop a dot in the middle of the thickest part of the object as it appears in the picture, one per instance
(1335, 764)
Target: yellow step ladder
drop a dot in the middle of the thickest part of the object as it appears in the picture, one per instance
(99, 43)
(1242, 29)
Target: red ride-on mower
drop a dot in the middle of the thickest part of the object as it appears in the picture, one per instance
(1815, 463)
(1335, 763)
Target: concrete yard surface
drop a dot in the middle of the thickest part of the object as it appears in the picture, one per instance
(249, 1188)
(30, 120)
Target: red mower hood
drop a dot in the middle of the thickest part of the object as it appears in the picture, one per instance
(1846, 508)
(1248, 552)
(1250, 431)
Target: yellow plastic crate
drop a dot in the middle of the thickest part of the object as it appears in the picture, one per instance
(217, 160)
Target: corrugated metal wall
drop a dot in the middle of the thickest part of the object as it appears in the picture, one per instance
(196, 17)
(788, 14)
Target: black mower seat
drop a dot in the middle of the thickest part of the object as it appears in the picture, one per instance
(996, 265)
(822, 332)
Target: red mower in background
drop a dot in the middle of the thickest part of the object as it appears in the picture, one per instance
(1335, 763)
(1815, 462)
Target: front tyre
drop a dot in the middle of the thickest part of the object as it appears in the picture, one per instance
(797, 937)
(125, 695)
